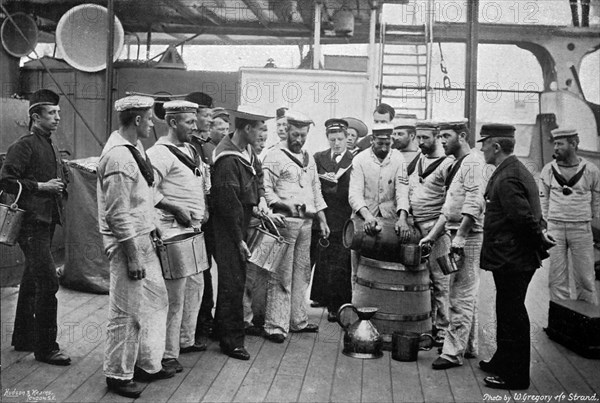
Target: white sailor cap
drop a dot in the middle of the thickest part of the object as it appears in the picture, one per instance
(453, 124)
(220, 112)
(562, 133)
(382, 130)
(133, 102)
(248, 112)
(180, 106)
(404, 121)
(298, 119)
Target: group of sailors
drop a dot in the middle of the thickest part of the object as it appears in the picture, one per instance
(422, 175)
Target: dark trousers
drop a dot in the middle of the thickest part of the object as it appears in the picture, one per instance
(318, 290)
(333, 273)
(205, 317)
(229, 316)
(35, 321)
(512, 355)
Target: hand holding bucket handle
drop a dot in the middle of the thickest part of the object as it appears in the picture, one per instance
(14, 205)
(264, 217)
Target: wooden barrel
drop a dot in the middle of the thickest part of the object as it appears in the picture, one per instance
(401, 293)
(383, 245)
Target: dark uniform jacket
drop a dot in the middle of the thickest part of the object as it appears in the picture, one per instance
(513, 223)
(335, 194)
(237, 187)
(29, 160)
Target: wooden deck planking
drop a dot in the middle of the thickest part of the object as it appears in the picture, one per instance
(198, 379)
(347, 381)
(436, 387)
(406, 386)
(321, 367)
(464, 384)
(27, 366)
(69, 303)
(287, 384)
(231, 376)
(92, 389)
(308, 367)
(259, 378)
(377, 381)
(69, 381)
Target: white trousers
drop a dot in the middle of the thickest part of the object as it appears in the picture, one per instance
(137, 314)
(286, 292)
(577, 238)
(440, 283)
(185, 298)
(255, 293)
(462, 334)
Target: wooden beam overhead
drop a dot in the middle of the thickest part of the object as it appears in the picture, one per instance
(256, 7)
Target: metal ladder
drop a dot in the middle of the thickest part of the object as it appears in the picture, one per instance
(405, 56)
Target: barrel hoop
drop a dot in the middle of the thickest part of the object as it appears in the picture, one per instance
(391, 265)
(402, 318)
(392, 287)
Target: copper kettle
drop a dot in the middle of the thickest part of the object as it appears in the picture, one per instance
(361, 338)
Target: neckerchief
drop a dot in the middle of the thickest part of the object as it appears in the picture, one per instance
(430, 168)
(302, 164)
(186, 160)
(413, 164)
(144, 165)
(454, 171)
(567, 184)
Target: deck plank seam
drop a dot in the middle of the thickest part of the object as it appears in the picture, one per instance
(314, 341)
(337, 356)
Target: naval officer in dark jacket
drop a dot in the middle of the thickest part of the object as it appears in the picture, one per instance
(514, 244)
(33, 161)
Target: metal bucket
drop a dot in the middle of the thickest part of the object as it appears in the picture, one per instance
(11, 218)
(267, 249)
(448, 264)
(182, 255)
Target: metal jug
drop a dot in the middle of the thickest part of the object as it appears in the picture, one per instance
(406, 345)
(413, 254)
(361, 338)
(448, 264)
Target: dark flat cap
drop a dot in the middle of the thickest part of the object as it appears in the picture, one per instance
(43, 97)
(496, 130)
(335, 124)
(203, 100)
